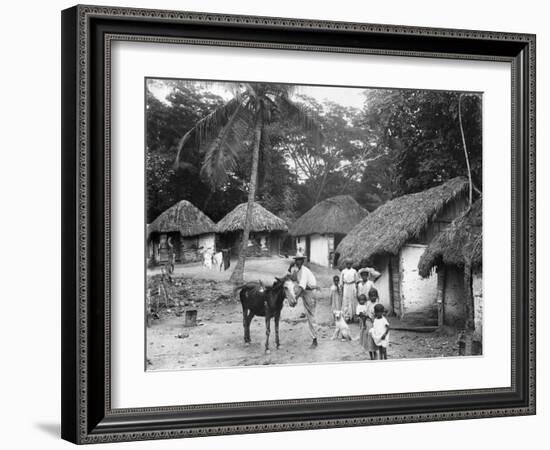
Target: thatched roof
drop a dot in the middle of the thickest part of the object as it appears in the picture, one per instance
(262, 220)
(459, 242)
(391, 225)
(334, 215)
(185, 218)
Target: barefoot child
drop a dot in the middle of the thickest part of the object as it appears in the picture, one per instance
(369, 344)
(362, 312)
(380, 331)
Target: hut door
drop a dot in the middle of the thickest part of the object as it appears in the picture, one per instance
(394, 285)
(418, 295)
(308, 247)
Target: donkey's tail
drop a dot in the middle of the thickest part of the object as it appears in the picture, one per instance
(236, 290)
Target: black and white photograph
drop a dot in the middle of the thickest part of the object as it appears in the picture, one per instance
(299, 224)
(275, 225)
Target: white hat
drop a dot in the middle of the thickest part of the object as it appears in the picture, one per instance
(370, 270)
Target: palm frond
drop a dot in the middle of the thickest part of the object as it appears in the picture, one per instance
(208, 127)
(302, 115)
(223, 151)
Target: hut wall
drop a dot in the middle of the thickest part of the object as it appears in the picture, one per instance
(161, 249)
(189, 251)
(477, 291)
(207, 241)
(320, 245)
(395, 285)
(150, 249)
(301, 242)
(155, 244)
(263, 242)
(233, 242)
(274, 243)
(453, 299)
(418, 295)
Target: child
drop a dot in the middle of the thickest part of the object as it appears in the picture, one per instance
(380, 331)
(363, 318)
(373, 301)
(362, 306)
(369, 344)
(335, 294)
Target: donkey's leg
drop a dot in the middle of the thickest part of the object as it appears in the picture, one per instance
(267, 331)
(245, 322)
(249, 318)
(277, 317)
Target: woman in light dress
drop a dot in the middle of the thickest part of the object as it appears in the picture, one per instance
(335, 294)
(348, 280)
(335, 297)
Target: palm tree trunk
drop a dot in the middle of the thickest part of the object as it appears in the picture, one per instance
(465, 150)
(469, 300)
(321, 186)
(238, 273)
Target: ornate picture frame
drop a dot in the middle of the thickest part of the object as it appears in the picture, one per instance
(87, 35)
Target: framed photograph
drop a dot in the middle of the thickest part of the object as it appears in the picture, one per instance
(282, 224)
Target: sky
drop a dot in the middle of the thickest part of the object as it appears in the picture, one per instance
(344, 96)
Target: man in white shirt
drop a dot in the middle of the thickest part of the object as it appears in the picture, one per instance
(306, 285)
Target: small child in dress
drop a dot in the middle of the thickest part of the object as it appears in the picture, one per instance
(335, 295)
(380, 331)
(362, 311)
(369, 344)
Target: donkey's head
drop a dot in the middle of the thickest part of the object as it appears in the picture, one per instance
(288, 286)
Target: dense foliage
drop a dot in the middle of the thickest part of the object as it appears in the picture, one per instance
(401, 141)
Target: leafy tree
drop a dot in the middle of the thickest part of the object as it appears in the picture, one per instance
(418, 138)
(234, 128)
(333, 168)
(166, 121)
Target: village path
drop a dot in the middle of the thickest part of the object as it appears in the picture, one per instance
(265, 269)
(217, 341)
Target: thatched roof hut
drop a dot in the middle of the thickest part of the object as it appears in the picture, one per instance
(185, 218)
(387, 229)
(460, 242)
(262, 220)
(334, 215)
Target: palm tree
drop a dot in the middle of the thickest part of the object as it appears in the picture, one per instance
(466, 158)
(238, 126)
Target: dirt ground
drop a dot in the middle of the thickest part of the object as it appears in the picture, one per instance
(217, 339)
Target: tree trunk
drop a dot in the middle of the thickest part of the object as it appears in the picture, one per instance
(469, 300)
(238, 273)
(321, 186)
(465, 150)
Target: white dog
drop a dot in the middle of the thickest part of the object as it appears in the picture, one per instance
(342, 328)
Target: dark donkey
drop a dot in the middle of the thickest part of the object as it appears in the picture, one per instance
(267, 302)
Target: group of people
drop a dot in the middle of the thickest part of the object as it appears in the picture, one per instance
(354, 294)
